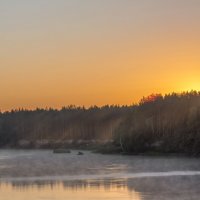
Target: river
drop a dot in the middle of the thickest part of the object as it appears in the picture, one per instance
(41, 174)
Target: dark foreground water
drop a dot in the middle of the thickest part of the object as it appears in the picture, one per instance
(42, 175)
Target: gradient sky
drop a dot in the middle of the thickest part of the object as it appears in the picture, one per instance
(86, 52)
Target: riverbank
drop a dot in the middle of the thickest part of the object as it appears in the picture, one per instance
(98, 147)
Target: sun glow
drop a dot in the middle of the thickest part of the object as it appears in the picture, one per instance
(72, 54)
(192, 86)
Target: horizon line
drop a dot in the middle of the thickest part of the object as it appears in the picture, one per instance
(74, 106)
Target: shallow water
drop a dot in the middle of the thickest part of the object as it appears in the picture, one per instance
(35, 174)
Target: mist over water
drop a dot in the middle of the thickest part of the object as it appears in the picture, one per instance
(36, 174)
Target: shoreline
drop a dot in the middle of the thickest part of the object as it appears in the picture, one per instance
(112, 152)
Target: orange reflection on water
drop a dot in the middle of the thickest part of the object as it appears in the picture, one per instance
(61, 192)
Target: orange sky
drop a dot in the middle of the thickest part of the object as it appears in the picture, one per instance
(55, 53)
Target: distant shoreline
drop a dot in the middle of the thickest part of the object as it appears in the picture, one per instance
(101, 149)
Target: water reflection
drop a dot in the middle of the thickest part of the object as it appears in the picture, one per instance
(79, 190)
(79, 184)
(36, 175)
(154, 188)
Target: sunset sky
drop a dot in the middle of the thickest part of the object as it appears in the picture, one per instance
(85, 52)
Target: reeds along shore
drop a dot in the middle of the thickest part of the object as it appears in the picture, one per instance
(166, 124)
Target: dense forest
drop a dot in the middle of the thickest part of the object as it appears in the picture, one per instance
(168, 124)
(50, 127)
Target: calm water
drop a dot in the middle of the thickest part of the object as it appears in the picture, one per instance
(37, 175)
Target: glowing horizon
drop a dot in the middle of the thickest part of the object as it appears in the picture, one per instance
(57, 53)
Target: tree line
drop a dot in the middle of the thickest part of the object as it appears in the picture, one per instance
(163, 123)
(69, 123)
(167, 124)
